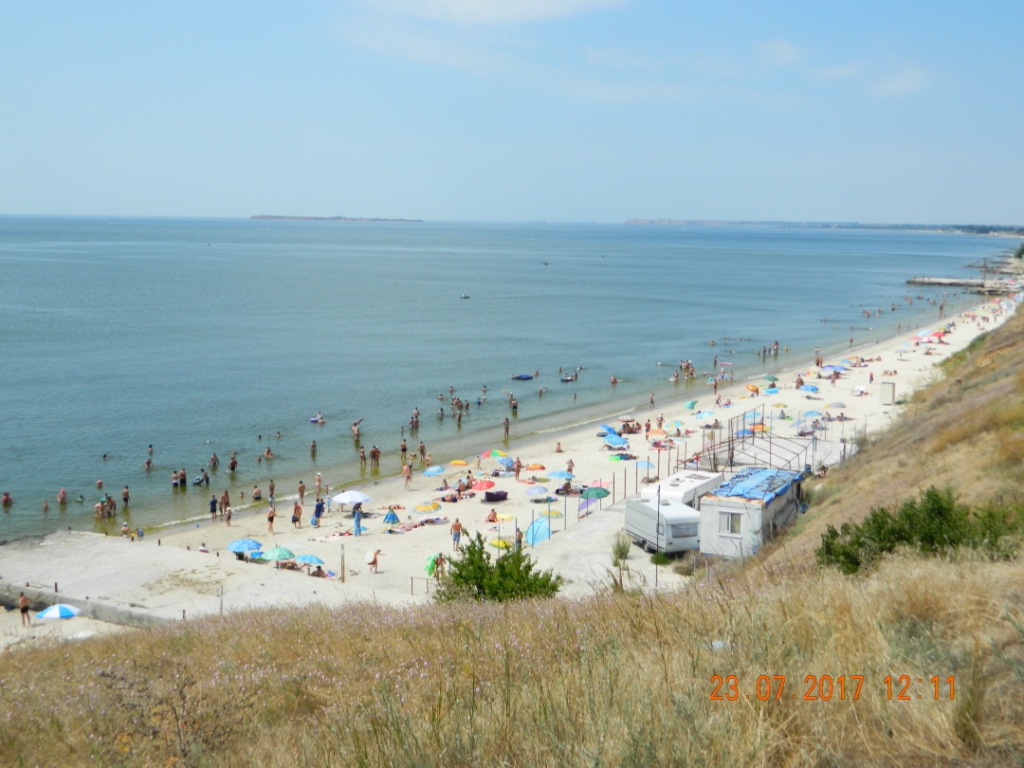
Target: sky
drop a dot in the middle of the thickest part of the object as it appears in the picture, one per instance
(515, 110)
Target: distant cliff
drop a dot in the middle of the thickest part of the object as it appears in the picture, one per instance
(265, 217)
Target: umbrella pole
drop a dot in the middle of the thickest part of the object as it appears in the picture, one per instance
(342, 564)
(533, 516)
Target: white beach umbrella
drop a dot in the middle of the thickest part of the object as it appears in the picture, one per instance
(350, 497)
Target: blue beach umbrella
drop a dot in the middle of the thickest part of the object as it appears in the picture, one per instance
(812, 413)
(391, 518)
(536, 490)
(244, 545)
(562, 474)
(705, 414)
(433, 471)
(609, 430)
(616, 441)
(690, 404)
(506, 462)
(59, 611)
(645, 465)
(309, 559)
(809, 388)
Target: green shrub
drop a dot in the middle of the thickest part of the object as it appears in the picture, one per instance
(933, 523)
(473, 575)
(660, 558)
(620, 549)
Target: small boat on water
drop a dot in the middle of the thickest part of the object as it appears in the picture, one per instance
(522, 376)
(465, 295)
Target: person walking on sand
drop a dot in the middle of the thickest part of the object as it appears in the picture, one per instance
(225, 499)
(302, 493)
(456, 530)
(297, 515)
(652, 401)
(357, 519)
(271, 514)
(407, 474)
(570, 465)
(227, 517)
(372, 560)
(23, 604)
(213, 508)
(517, 467)
(318, 483)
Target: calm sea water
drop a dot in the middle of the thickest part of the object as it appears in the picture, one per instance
(197, 336)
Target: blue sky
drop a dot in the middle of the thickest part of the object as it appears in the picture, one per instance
(506, 110)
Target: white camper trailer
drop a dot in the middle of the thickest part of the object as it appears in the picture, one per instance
(685, 487)
(672, 527)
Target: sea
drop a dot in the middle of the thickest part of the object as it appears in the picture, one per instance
(202, 336)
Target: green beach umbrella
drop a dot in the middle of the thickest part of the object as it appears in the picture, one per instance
(279, 553)
(771, 378)
(595, 493)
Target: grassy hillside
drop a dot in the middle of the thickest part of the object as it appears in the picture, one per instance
(620, 679)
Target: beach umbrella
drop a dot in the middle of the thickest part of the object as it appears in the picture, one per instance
(536, 490)
(350, 497)
(58, 611)
(506, 462)
(690, 404)
(257, 555)
(433, 471)
(544, 500)
(535, 467)
(391, 518)
(428, 506)
(562, 474)
(482, 485)
(494, 453)
(609, 430)
(779, 405)
(279, 553)
(457, 463)
(770, 378)
(837, 405)
(705, 414)
(677, 424)
(812, 413)
(760, 428)
(645, 465)
(309, 560)
(595, 493)
(550, 513)
(809, 388)
(658, 433)
(244, 545)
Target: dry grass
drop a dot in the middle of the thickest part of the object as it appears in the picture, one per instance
(615, 680)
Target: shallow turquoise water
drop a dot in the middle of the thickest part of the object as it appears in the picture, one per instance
(198, 336)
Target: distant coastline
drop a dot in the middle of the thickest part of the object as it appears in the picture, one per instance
(266, 217)
(966, 229)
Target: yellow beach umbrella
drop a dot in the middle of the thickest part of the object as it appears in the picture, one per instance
(457, 463)
(429, 506)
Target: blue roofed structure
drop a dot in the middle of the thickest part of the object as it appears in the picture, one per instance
(758, 483)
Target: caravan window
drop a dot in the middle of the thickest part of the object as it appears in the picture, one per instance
(729, 522)
(684, 531)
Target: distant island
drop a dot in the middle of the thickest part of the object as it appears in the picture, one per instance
(265, 217)
(969, 229)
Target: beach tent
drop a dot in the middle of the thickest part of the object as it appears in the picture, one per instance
(538, 531)
(391, 518)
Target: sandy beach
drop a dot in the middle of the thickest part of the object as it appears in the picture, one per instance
(165, 577)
